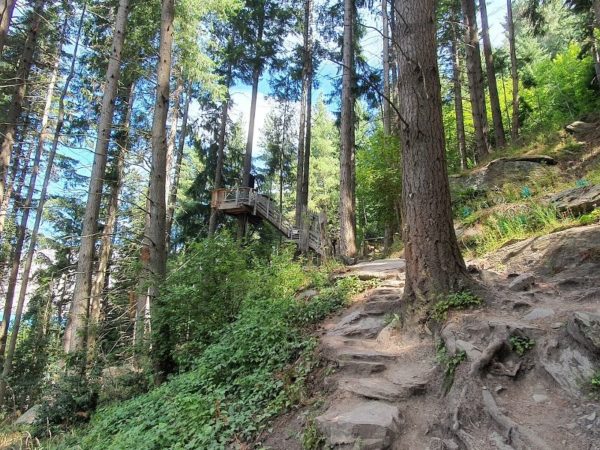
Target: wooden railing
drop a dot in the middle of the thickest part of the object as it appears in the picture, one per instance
(249, 201)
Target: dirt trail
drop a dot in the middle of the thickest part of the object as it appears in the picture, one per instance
(384, 387)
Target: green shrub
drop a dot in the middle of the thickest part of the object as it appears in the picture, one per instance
(255, 367)
(457, 300)
(595, 382)
(521, 344)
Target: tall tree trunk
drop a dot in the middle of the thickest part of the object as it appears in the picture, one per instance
(458, 101)
(21, 233)
(177, 165)
(246, 175)
(347, 154)
(387, 121)
(434, 264)
(301, 205)
(155, 234)
(218, 184)
(172, 140)
(7, 8)
(18, 97)
(44, 192)
(75, 332)
(476, 90)
(499, 133)
(110, 227)
(513, 71)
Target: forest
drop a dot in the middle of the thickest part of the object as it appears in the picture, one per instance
(185, 186)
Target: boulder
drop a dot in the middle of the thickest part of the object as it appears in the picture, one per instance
(585, 329)
(580, 127)
(29, 417)
(522, 282)
(578, 201)
(515, 170)
(372, 424)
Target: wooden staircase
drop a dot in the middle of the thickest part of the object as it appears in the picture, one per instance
(248, 201)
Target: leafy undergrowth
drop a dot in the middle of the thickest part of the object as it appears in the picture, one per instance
(255, 369)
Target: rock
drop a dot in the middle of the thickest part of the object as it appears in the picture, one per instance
(29, 417)
(591, 417)
(567, 366)
(375, 423)
(539, 313)
(577, 201)
(499, 389)
(357, 325)
(381, 269)
(585, 329)
(307, 294)
(514, 170)
(522, 283)
(580, 127)
(540, 398)
(373, 388)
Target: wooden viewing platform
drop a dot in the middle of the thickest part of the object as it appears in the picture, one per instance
(248, 201)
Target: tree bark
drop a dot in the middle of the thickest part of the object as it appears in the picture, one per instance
(458, 101)
(218, 184)
(21, 234)
(387, 120)
(513, 71)
(476, 90)
(110, 227)
(155, 234)
(18, 97)
(75, 332)
(499, 132)
(177, 166)
(347, 155)
(434, 264)
(7, 8)
(171, 141)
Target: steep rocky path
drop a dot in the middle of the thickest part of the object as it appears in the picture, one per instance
(384, 388)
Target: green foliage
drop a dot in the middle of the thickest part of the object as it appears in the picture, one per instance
(588, 219)
(560, 91)
(457, 300)
(449, 363)
(203, 292)
(595, 382)
(312, 439)
(255, 367)
(521, 344)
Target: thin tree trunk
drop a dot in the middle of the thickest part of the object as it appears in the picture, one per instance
(475, 74)
(21, 233)
(458, 101)
(347, 155)
(155, 234)
(110, 226)
(308, 132)
(75, 332)
(177, 166)
(434, 264)
(499, 133)
(218, 184)
(48, 174)
(513, 71)
(7, 8)
(18, 97)
(387, 121)
(246, 175)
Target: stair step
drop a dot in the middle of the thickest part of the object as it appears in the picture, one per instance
(360, 367)
(374, 423)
